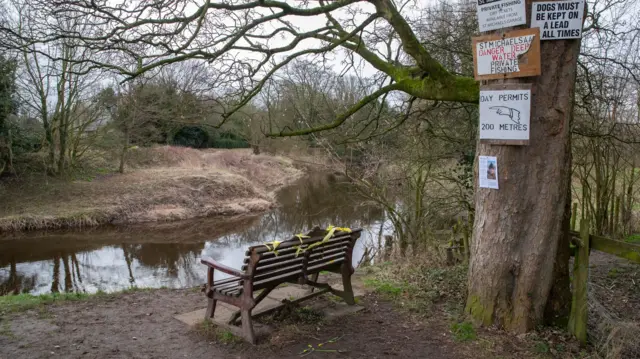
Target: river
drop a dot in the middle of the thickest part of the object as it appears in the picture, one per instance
(112, 258)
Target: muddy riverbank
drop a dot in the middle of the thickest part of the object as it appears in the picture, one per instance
(164, 184)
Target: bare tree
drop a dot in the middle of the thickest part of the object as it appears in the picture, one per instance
(519, 252)
(54, 84)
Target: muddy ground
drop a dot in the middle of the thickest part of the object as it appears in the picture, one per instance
(141, 325)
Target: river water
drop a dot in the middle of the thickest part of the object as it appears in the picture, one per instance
(167, 254)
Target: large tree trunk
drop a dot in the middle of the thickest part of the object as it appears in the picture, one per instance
(62, 139)
(518, 228)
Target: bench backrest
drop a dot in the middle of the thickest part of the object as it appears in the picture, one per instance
(296, 258)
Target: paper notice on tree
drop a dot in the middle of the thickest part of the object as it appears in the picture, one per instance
(488, 168)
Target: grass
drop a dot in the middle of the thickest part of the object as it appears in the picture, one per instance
(384, 287)
(23, 302)
(213, 332)
(634, 238)
(463, 332)
(5, 329)
(308, 315)
(417, 286)
(295, 314)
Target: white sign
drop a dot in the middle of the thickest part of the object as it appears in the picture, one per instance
(558, 19)
(496, 14)
(488, 168)
(501, 56)
(504, 114)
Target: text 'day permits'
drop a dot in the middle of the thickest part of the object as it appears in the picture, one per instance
(505, 114)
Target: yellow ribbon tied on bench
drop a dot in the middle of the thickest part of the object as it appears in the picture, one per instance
(273, 247)
(331, 230)
(299, 248)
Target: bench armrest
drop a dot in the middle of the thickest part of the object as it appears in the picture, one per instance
(209, 262)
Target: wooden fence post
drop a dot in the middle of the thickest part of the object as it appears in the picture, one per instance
(578, 318)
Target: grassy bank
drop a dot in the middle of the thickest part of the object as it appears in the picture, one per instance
(162, 184)
(21, 302)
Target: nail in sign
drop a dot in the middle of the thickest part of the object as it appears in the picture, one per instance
(514, 54)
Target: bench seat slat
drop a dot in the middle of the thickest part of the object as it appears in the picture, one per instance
(279, 279)
(327, 259)
(277, 272)
(218, 283)
(227, 285)
(234, 291)
(325, 266)
(319, 253)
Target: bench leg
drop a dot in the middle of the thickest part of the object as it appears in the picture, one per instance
(211, 308)
(247, 326)
(346, 283)
(314, 278)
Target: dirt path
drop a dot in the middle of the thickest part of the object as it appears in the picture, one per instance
(141, 325)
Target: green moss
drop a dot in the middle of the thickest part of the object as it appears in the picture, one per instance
(462, 89)
(478, 311)
(621, 249)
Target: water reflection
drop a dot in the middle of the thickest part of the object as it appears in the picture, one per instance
(167, 254)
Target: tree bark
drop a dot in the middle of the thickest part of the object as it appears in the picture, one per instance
(62, 140)
(518, 229)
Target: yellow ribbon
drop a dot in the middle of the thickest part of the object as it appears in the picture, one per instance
(273, 247)
(299, 248)
(330, 232)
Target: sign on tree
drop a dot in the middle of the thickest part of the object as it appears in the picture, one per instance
(505, 111)
(558, 19)
(497, 14)
(513, 54)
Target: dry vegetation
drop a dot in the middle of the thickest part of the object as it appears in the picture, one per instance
(165, 183)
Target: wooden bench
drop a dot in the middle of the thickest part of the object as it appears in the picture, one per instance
(298, 260)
